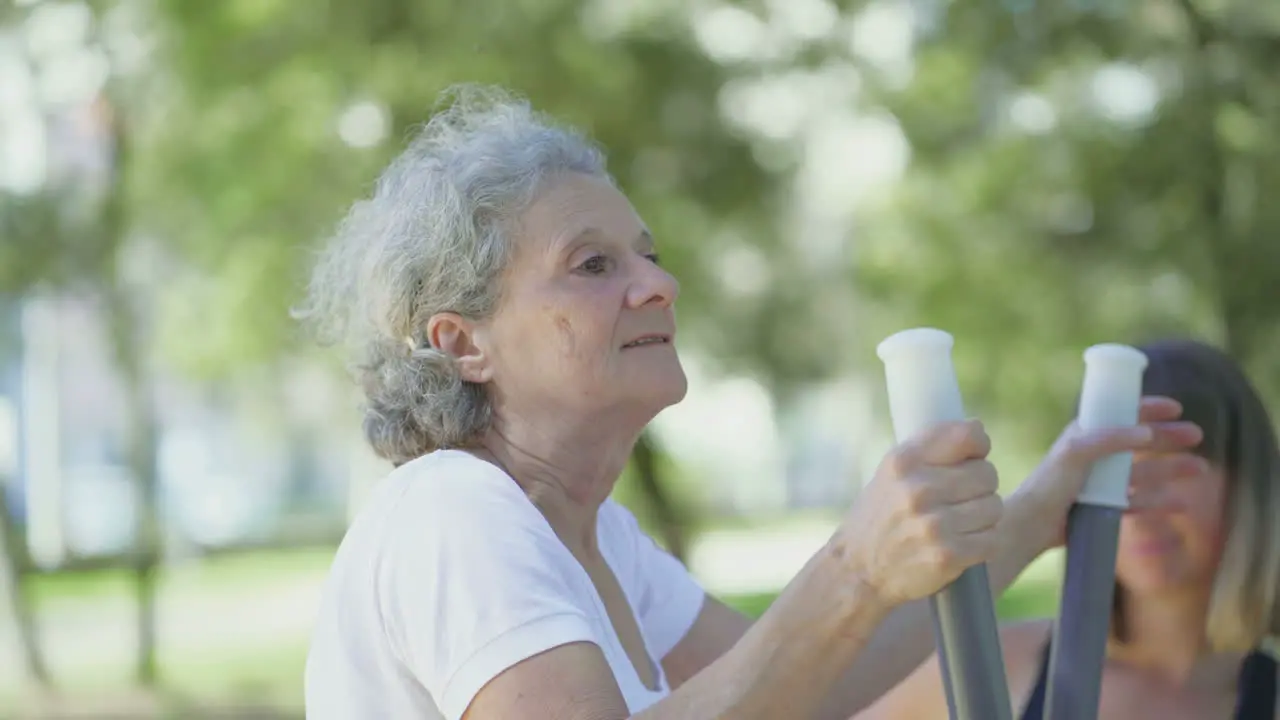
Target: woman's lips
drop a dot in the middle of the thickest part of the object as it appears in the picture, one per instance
(1149, 548)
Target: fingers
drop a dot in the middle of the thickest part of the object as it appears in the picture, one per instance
(947, 443)
(941, 486)
(981, 546)
(964, 536)
(1157, 408)
(973, 516)
(1159, 430)
(976, 547)
(1084, 447)
(1159, 469)
(930, 512)
(1175, 436)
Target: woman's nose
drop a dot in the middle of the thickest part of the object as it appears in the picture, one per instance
(653, 286)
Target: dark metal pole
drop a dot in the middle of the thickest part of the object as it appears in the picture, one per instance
(1080, 634)
(922, 391)
(1111, 397)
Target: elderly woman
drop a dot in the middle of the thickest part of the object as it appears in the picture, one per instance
(1198, 583)
(514, 332)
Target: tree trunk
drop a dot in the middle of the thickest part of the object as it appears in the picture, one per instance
(671, 526)
(12, 577)
(14, 554)
(143, 432)
(129, 345)
(1235, 304)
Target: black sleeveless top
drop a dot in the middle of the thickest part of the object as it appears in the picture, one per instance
(1256, 701)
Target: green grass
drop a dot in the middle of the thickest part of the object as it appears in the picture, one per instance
(226, 573)
(268, 676)
(1028, 599)
(247, 682)
(751, 605)
(260, 672)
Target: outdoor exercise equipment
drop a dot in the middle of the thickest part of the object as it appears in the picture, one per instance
(923, 391)
(1110, 397)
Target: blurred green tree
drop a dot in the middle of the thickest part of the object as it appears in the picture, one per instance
(253, 125)
(72, 234)
(1082, 173)
(279, 116)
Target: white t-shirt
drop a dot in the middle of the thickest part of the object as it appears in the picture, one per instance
(450, 575)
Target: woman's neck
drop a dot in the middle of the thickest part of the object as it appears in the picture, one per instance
(568, 472)
(1165, 636)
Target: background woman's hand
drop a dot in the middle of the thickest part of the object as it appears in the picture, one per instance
(1161, 443)
(930, 512)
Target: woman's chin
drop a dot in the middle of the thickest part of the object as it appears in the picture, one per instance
(664, 382)
(669, 390)
(1151, 580)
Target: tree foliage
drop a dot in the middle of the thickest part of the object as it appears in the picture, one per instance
(1085, 173)
(249, 167)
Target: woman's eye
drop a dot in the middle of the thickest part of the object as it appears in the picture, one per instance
(595, 264)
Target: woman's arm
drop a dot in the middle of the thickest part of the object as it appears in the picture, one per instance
(906, 639)
(921, 696)
(717, 629)
(898, 646)
(1033, 521)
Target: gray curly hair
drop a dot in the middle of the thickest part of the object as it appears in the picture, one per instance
(435, 236)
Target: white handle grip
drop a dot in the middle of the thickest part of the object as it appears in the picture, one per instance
(1111, 397)
(920, 379)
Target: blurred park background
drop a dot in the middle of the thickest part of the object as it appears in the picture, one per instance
(178, 464)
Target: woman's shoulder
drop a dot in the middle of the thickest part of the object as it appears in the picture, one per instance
(451, 509)
(448, 487)
(464, 577)
(465, 528)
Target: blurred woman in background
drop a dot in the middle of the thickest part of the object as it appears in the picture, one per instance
(1196, 597)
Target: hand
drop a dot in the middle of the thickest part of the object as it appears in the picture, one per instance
(930, 512)
(1160, 436)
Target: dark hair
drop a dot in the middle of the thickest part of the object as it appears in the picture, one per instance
(1240, 440)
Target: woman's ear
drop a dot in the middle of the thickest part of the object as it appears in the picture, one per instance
(457, 337)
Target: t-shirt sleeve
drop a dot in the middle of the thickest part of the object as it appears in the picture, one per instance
(470, 586)
(669, 598)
